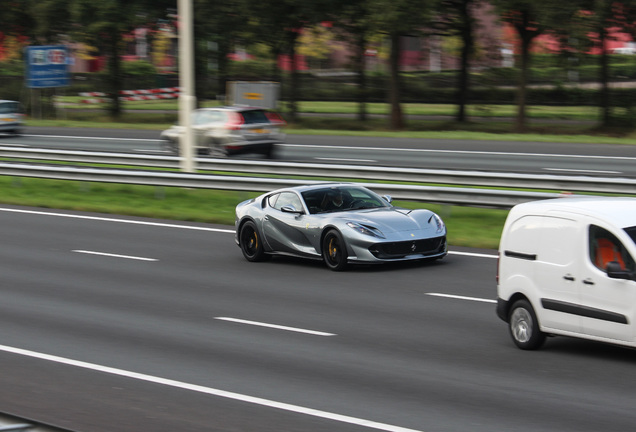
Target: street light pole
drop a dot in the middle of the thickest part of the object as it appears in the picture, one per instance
(187, 99)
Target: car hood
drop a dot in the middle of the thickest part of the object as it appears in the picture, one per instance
(391, 219)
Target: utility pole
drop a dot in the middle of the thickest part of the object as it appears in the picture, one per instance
(186, 82)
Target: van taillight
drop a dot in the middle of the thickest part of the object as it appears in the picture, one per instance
(235, 121)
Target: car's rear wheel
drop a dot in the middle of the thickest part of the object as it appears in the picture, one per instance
(524, 326)
(251, 243)
(270, 152)
(334, 251)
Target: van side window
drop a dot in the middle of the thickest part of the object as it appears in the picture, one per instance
(604, 247)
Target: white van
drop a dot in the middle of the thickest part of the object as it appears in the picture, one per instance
(566, 267)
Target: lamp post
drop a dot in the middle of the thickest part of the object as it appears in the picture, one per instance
(186, 82)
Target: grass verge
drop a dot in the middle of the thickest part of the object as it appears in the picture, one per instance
(470, 227)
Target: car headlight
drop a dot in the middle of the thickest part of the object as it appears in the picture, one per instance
(366, 229)
(437, 222)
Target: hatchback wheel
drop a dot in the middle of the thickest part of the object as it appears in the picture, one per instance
(524, 327)
(217, 149)
(171, 145)
(251, 242)
(334, 251)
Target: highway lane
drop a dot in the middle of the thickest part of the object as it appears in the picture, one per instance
(505, 156)
(125, 323)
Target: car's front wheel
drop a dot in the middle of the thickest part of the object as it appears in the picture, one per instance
(334, 251)
(524, 326)
(217, 148)
(171, 145)
(251, 242)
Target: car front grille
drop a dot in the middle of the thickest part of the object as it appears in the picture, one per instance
(396, 250)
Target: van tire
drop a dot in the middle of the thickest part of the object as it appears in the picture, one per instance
(524, 326)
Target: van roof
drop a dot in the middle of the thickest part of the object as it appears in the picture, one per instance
(619, 211)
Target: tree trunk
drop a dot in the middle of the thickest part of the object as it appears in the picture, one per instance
(467, 48)
(115, 76)
(293, 94)
(606, 109)
(396, 119)
(223, 65)
(526, 37)
(360, 62)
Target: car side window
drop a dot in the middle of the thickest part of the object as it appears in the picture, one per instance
(288, 198)
(271, 200)
(605, 247)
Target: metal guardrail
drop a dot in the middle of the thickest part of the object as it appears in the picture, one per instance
(20, 427)
(379, 176)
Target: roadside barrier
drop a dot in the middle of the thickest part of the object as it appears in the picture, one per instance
(451, 190)
(134, 95)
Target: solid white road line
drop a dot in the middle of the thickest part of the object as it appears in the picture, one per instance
(274, 326)
(167, 225)
(128, 221)
(497, 153)
(209, 391)
(475, 299)
(114, 255)
(345, 160)
(472, 254)
(95, 138)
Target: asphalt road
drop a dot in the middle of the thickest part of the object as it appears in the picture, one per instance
(499, 156)
(138, 324)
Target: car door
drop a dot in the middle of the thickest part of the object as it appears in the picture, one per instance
(607, 304)
(286, 231)
(556, 268)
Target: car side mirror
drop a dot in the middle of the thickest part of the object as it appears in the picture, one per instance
(615, 271)
(290, 209)
(388, 198)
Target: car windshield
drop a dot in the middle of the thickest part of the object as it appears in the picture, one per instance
(342, 198)
(9, 107)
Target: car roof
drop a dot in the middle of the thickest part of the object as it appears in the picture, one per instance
(314, 186)
(618, 211)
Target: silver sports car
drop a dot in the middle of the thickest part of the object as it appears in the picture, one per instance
(338, 223)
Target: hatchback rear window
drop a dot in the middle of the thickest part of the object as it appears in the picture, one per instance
(255, 116)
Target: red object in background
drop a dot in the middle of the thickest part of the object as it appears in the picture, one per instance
(284, 62)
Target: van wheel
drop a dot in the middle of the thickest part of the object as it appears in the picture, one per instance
(524, 326)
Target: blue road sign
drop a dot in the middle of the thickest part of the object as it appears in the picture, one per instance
(47, 66)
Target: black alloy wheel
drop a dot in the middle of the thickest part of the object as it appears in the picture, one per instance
(251, 243)
(334, 251)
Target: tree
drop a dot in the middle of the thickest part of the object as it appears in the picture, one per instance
(456, 17)
(529, 18)
(103, 24)
(279, 24)
(353, 18)
(398, 18)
